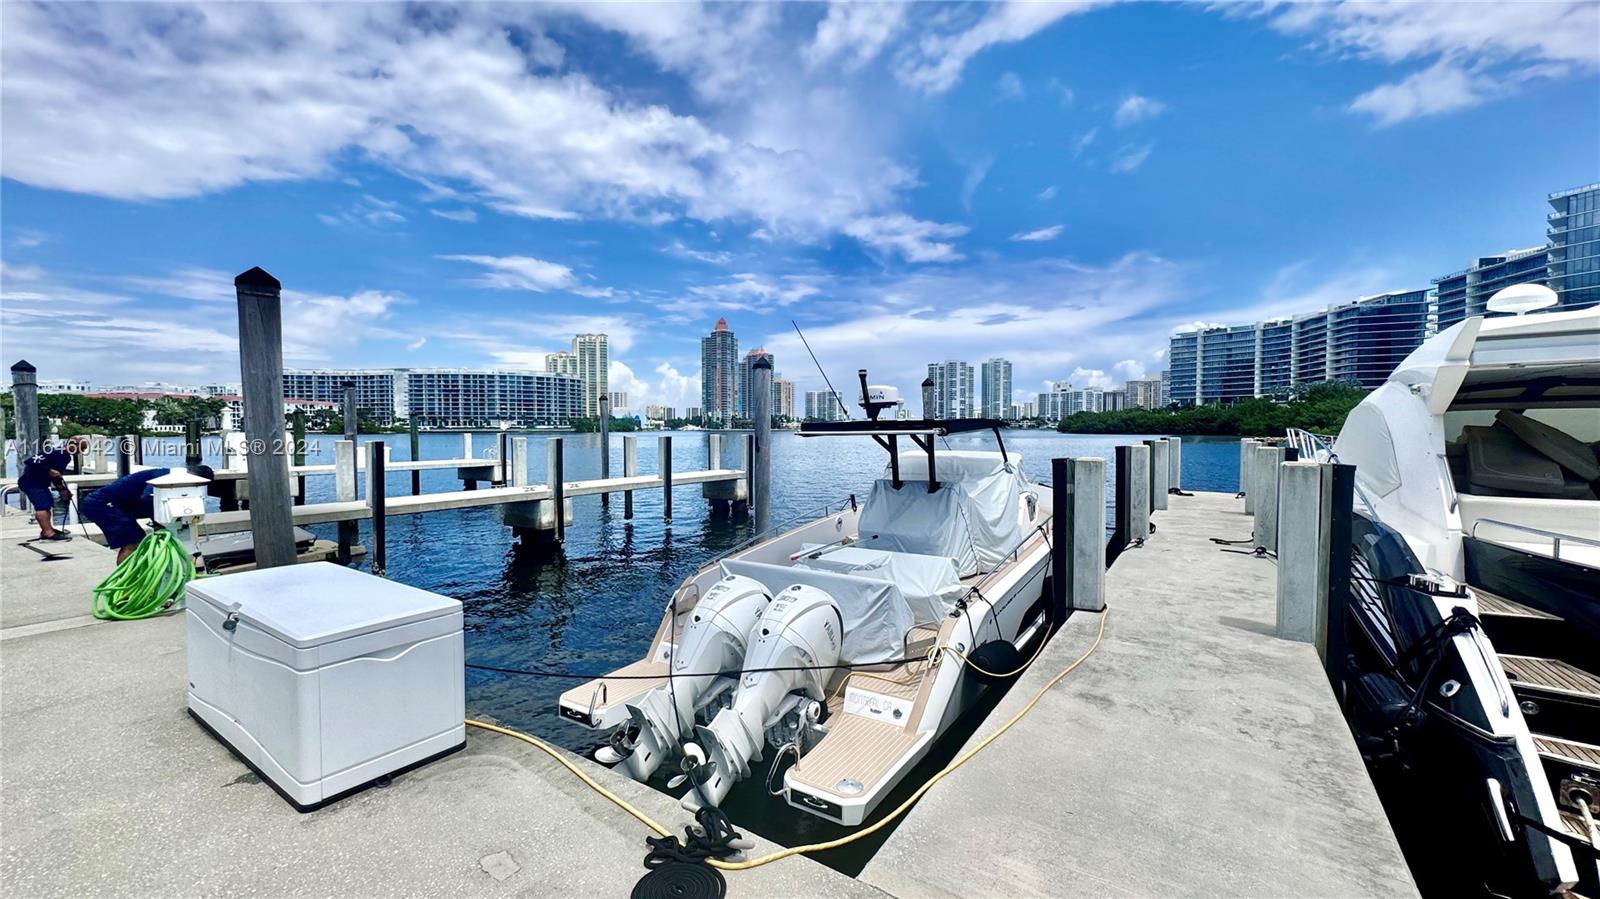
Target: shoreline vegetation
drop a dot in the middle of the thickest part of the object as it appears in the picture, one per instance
(1320, 410)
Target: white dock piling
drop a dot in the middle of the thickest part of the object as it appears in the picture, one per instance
(1268, 460)
(1247, 467)
(1159, 465)
(1175, 463)
(1080, 529)
(1138, 494)
(1303, 495)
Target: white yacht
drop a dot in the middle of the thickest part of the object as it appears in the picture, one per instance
(1475, 587)
(826, 659)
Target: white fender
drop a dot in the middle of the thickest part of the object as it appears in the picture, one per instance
(801, 631)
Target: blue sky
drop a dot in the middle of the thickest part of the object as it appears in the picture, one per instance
(1059, 184)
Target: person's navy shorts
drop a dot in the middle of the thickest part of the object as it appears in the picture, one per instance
(41, 497)
(120, 528)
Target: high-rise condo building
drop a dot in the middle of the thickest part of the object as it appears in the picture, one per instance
(446, 397)
(952, 389)
(996, 374)
(1367, 339)
(1466, 293)
(741, 403)
(594, 361)
(562, 363)
(719, 373)
(1274, 371)
(1144, 393)
(1114, 400)
(783, 398)
(618, 401)
(1574, 232)
(823, 405)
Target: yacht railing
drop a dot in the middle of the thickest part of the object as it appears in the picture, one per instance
(823, 511)
(1042, 528)
(1319, 448)
(1556, 538)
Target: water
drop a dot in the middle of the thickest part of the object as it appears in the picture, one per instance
(597, 607)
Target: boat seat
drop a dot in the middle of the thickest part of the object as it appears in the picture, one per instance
(1499, 463)
(1553, 443)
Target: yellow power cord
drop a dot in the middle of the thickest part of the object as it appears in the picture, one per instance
(960, 760)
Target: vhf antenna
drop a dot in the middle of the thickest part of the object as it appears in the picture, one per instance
(836, 397)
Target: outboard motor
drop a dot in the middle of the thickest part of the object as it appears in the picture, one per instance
(713, 641)
(801, 631)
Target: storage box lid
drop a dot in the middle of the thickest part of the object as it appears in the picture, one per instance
(318, 602)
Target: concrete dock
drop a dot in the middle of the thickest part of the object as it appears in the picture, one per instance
(1193, 754)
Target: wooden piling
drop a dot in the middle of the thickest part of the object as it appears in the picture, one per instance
(630, 468)
(605, 445)
(377, 493)
(558, 487)
(193, 450)
(665, 464)
(261, 371)
(344, 491)
(25, 406)
(124, 450)
(349, 531)
(758, 459)
(416, 444)
(298, 435)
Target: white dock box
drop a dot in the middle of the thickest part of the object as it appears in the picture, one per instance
(324, 679)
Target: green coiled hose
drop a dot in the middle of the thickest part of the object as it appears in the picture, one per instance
(148, 582)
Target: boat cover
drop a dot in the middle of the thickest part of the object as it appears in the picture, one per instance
(912, 520)
(930, 584)
(874, 612)
(992, 488)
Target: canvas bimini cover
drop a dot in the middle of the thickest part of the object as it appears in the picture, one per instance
(991, 486)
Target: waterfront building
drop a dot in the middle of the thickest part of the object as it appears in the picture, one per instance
(1274, 369)
(1308, 362)
(1573, 269)
(996, 374)
(658, 412)
(1368, 338)
(562, 363)
(823, 405)
(446, 397)
(63, 386)
(1183, 359)
(1143, 393)
(1466, 293)
(1030, 409)
(618, 401)
(1114, 400)
(741, 402)
(719, 364)
(594, 363)
(1056, 403)
(1085, 399)
(783, 398)
(693, 414)
(952, 389)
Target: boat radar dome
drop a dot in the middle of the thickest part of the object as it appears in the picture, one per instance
(1520, 298)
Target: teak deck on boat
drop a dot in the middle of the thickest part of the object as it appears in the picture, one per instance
(856, 748)
(1550, 676)
(623, 685)
(1584, 755)
(1490, 604)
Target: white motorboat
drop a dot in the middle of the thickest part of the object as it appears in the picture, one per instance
(1475, 587)
(837, 651)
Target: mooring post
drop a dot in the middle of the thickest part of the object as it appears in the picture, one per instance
(349, 531)
(377, 492)
(138, 448)
(746, 466)
(193, 452)
(4, 448)
(1268, 461)
(124, 450)
(1084, 529)
(298, 435)
(25, 405)
(466, 445)
(344, 490)
(416, 456)
(1247, 468)
(261, 371)
(1302, 552)
(558, 486)
(665, 463)
(605, 445)
(502, 449)
(1158, 474)
(1341, 500)
(1138, 494)
(630, 468)
(519, 462)
(1174, 464)
(759, 458)
(1122, 510)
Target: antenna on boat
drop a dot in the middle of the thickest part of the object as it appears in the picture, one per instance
(1522, 298)
(836, 398)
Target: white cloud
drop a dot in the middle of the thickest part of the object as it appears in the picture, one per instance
(683, 251)
(1480, 51)
(456, 215)
(1129, 158)
(189, 283)
(528, 273)
(1438, 89)
(1010, 87)
(855, 33)
(916, 240)
(934, 63)
(1135, 108)
(1128, 370)
(1048, 193)
(1041, 234)
(417, 344)
(750, 291)
(1083, 142)
(179, 103)
(975, 174)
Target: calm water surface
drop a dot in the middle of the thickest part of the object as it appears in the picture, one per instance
(597, 607)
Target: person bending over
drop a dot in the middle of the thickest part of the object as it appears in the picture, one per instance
(117, 507)
(41, 473)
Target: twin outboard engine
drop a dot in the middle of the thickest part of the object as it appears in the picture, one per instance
(792, 655)
(713, 641)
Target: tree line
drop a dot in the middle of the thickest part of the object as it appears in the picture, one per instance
(1321, 409)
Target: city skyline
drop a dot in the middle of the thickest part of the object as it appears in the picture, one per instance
(1059, 185)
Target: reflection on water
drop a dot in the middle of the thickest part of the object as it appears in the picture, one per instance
(596, 606)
